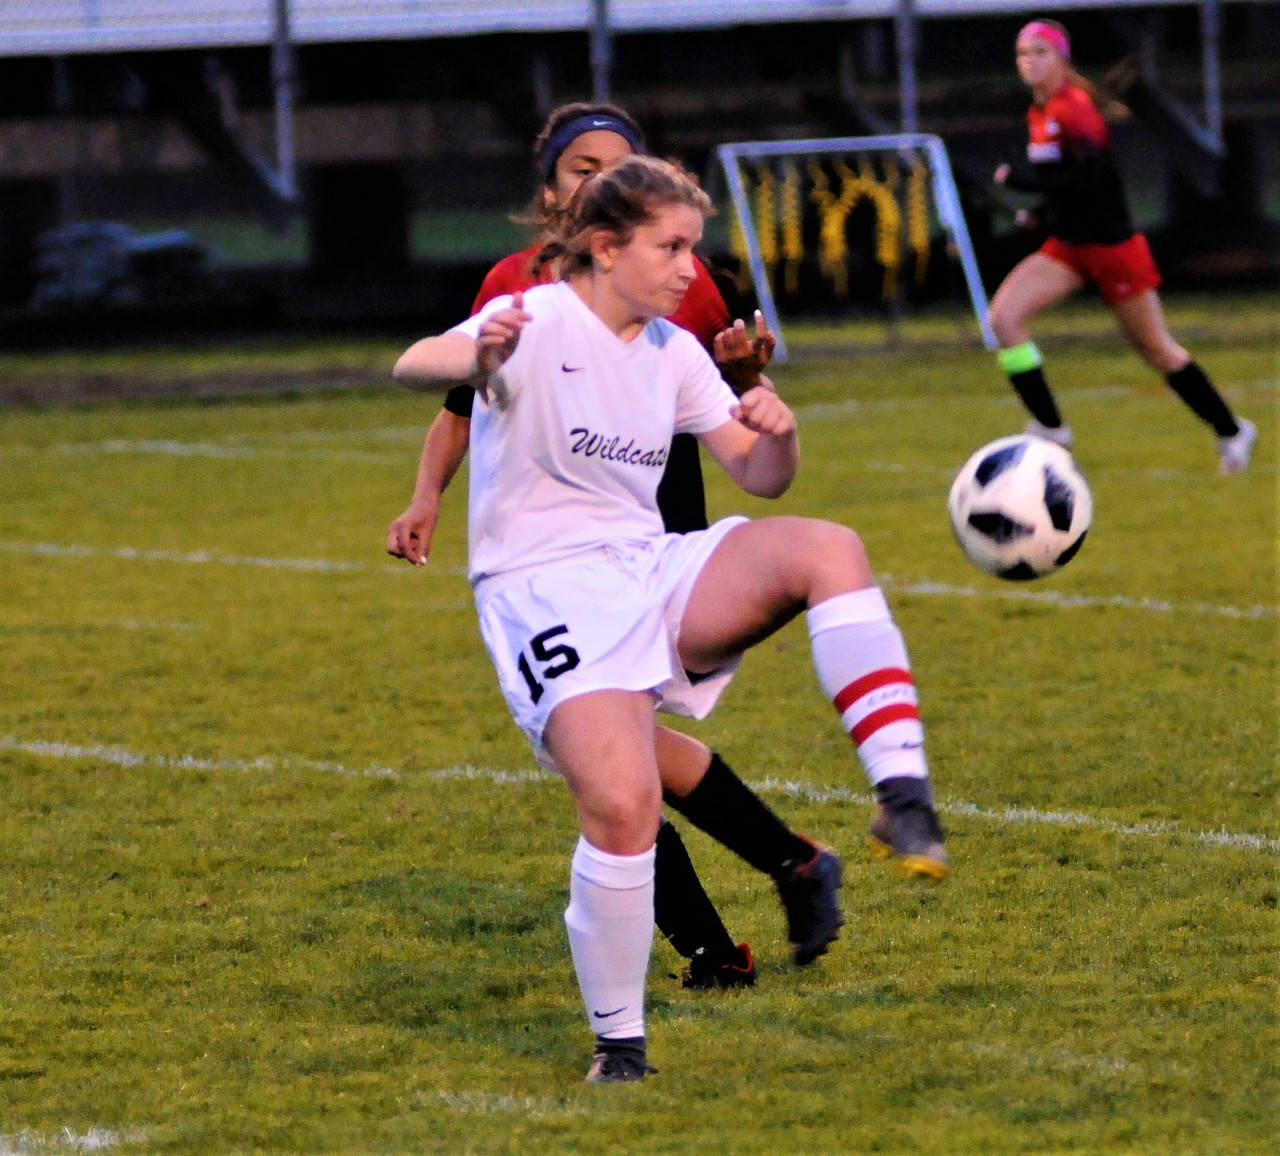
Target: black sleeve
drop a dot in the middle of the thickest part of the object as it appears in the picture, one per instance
(1083, 199)
(1080, 172)
(459, 400)
(681, 498)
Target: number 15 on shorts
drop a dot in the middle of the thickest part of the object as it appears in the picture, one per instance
(547, 661)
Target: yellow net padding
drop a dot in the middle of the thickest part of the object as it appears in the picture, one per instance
(777, 200)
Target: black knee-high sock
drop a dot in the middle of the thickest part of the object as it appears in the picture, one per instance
(731, 813)
(681, 908)
(1192, 384)
(1032, 387)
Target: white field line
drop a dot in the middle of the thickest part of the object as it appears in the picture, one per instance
(65, 1140)
(1051, 598)
(1007, 816)
(848, 407)
(127, 624)
(123, 757)
(239, 448)
(240, 452)
(492, 1103)
(819, 412)
(1062, 601)
(236, 447)
(389, 433)
(201, 558)
(1055, 1058)
(1014, 816)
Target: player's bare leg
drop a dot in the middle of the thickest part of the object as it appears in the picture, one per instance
(602, 742)
(1034, 284)
(765, 573)
(1141, 320)
(1031, 286)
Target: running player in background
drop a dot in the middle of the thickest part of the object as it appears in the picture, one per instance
(578, 141)
(1091, 239)
(592, 614)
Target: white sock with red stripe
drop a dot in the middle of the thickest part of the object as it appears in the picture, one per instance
(610, 924)
(862, 664)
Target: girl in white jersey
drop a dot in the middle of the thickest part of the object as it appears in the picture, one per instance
(594, 616)
(578, 141)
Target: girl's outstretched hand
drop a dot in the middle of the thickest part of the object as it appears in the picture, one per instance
(741, 358)
(499, 335)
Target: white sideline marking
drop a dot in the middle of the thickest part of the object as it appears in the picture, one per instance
(1155, 473)
(194, 558)
(1030, 815)
(130, 624)
(821, 410)
(933, 589)
(220, 450)
(1057, 1057)
(386, 433)
(504, 777)
(490, 1102)
(824, 410)
(1077, 601)
(94, 1140)
(121, 756)
(135, 624)
(237, 448)
(209, 558)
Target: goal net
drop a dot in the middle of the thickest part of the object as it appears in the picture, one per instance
(847, 219)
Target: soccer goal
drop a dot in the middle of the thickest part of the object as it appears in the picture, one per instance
(793, 198)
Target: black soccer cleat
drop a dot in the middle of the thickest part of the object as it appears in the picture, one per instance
(907, 830)
(706, 972)
(619, 1062)
(808, 889)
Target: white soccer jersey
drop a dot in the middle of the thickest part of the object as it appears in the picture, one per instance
(567, 452)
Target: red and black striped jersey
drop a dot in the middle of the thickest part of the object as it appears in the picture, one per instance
(1069, 160)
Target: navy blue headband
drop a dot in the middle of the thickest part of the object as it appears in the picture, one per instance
(568, 132)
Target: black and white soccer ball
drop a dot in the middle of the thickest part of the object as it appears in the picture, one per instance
(1020, 508)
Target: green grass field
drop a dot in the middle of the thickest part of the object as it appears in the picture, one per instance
(279, 875)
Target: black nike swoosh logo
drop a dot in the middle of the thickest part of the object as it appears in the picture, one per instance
(607, 1015)
(572, 368)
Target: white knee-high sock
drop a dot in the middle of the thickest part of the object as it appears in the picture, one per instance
(610, 924)
(862, 664)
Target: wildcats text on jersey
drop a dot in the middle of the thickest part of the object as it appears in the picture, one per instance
(593, 445)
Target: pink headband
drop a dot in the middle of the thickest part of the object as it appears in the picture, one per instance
(1055, 38)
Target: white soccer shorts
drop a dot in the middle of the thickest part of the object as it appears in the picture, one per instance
(608, 619)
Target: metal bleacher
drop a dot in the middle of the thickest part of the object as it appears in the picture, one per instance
(69, 27)
(110, 107)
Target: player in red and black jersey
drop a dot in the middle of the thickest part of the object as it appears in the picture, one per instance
(577, 142)
(1091, 240)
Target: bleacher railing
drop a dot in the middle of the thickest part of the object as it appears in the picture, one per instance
(52, 27)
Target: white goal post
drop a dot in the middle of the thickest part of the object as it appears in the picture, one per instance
(854, 186)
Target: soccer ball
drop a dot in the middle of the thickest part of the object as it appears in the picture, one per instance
(1019, 508)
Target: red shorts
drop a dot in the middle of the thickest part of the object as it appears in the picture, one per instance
(1119, 271)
